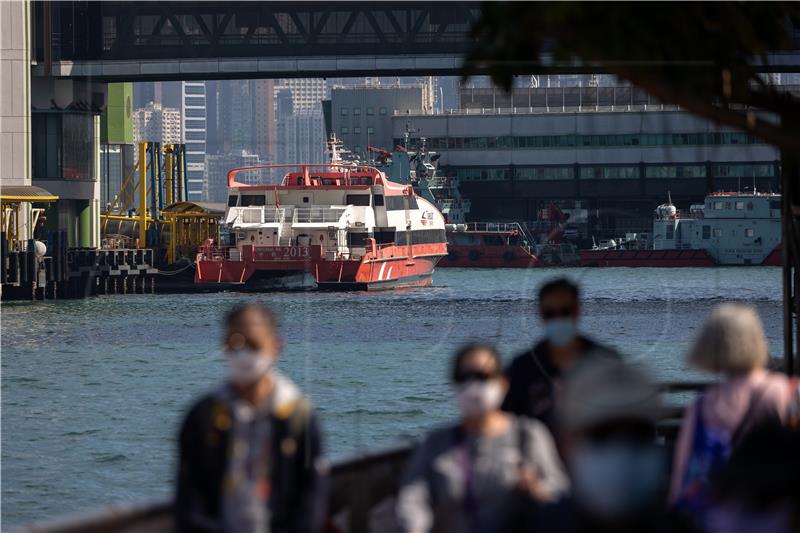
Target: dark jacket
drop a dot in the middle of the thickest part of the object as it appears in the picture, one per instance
(531, 377)
(297, 472)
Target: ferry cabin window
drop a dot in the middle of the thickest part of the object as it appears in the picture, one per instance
(232, 200)
(706, 232)
(749, 232)
(740, 206)
(775, 204)
(717, 232)
(358, 239)
(396, 203)
(717, 205)
(253, 200)
(378, 200)
(357, 199)
(670, 232)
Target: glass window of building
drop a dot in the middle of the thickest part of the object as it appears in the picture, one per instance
(356, 111)
(343, 111)
(370, 111)
(345, 129)
(370, 130)
(356, 130)
(382, 110)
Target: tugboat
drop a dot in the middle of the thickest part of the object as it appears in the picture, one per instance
(473, 244)
(339, 226)
(728, 228)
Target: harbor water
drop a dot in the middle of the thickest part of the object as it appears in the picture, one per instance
(93, 390)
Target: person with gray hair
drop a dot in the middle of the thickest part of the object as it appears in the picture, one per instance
(732, 344)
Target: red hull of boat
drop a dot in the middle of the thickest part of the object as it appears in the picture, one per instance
(507, 256)
(646, 258)
(384, 267)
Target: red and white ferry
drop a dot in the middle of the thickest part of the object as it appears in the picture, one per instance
(339, 225)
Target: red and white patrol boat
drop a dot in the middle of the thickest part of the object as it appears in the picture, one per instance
(339, 225)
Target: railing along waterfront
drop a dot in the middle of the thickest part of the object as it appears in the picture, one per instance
(362, 487)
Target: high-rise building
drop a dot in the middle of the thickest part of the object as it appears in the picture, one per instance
(154, 123)
(264, 113)
(307, 93)
(217, 167)
(193, 113)
(303, 137)
(362, 116)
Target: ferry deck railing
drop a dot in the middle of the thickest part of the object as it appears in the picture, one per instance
(317, 215)
(260, 215)
(362, 487)
(499, 227)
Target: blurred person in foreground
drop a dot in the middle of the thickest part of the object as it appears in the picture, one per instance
(249, 452)
(607, 413)
(758, 489)
(731, 343)
(489, 472)
(534, 375)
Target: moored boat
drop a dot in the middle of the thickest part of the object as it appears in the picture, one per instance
(728, 228)
(339, 226)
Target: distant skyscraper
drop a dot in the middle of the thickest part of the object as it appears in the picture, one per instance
(217, 167)
(304, 137)
(307, 93)
(264, 113)
(193, 112)
(154, 123)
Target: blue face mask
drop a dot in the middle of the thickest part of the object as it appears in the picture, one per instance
(617, 478)
(560, 331)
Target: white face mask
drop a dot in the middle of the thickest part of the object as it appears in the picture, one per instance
(615, 479)
(560, 331)
(476, 398)
(247, 366)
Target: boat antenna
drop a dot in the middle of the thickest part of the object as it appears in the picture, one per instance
(669, 198)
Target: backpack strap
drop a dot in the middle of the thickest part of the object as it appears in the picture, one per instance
(746, 422)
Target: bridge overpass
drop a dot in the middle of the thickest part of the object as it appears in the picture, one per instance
(141, 41)
(136, 41)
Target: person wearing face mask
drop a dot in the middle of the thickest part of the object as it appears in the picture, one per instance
(487, 473)
(249, 453)
(607, 414)
(534, 375)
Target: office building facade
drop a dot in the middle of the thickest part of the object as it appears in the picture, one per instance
(617, 165)
(193, 114)
(154, 123)
(362, 116)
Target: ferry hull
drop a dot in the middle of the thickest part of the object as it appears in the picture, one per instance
(266, 268)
